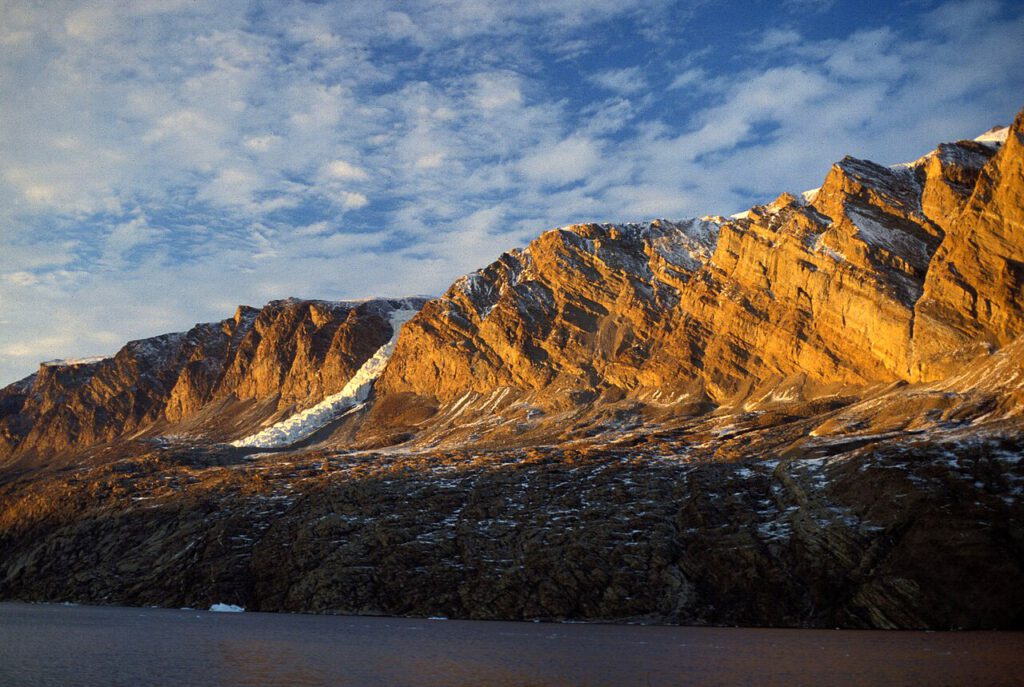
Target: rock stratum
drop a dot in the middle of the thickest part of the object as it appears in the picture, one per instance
(807, 414)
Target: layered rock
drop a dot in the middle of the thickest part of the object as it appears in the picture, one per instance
(918, 533)
(220, 379)
(808, 414)
(972, 301)
(865, 280)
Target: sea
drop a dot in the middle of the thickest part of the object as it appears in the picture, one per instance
(55, 644)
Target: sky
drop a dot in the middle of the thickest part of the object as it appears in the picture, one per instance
(162, 161)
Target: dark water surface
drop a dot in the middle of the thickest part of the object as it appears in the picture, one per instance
(87, 645)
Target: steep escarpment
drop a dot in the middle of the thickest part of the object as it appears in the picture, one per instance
(870, 279)
(972, 301)
(218, 380)
(809, 414)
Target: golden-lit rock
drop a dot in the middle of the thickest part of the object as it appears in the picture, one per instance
(873, 278)
(972, 301)
(217, 380)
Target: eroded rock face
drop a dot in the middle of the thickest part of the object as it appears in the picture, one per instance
(873, 278)
(809, 414)
(972, 300)
(256, 365)
(923, 532)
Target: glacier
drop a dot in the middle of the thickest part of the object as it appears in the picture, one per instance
(306, 423)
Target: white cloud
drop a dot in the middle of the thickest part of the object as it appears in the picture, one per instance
(775, 38)
(497, 91)
(566, 161)
(429, 161)
(261, 144)
(21, 278)
(15, 38)
(690, 77)
(626, 81)
(339, 169)
(353, 200)
(127, 236)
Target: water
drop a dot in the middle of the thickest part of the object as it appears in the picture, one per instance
(83, 645)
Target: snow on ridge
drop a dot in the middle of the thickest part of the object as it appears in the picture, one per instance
(995, 136)
(67, 362)
(687, 243)
(309, 421)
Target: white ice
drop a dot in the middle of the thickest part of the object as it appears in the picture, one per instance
(309, 421)
(996, 135)
(226, 608)
(76, 361)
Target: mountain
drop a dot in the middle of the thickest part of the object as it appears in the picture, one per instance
(216, 380)
(882, 275)
(807, 414)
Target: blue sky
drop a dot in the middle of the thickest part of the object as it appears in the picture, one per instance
(164, 161)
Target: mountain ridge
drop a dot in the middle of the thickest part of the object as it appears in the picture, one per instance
(833, 287)
(807, 415)
(836, 285)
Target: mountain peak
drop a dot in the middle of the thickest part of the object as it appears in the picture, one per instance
(996, 136)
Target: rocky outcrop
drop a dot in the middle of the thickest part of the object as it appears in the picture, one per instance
(219, 379)
(972, 301)
(884, 274)
(809, 414)
(915, 532)
(869, 279)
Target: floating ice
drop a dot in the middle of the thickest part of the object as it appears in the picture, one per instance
(226, 608)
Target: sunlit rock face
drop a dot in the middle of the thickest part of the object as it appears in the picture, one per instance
(972, 301)
(216, 380)
(882, 275)
(807, 414)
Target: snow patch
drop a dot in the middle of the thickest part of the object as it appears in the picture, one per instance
(995, 137)
(810, 194)
(893, 240)
(687, 243)
(66, 362)
(309, 421)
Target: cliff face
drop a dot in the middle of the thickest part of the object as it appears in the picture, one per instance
(219, 379)
(915, 533)
(878, 276)
(972, 300)
(882, 275)
(808, 414)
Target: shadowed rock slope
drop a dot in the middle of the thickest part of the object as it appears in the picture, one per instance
(891, 531)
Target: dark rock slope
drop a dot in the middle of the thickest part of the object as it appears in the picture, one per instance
(916, 532)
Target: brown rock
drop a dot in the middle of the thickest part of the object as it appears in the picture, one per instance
(218, 380)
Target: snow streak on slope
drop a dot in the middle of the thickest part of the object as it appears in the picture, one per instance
(306, 423)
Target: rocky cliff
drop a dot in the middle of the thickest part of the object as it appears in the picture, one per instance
(218, 380)
(716, 524)
(883, 274)
(807, 414)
